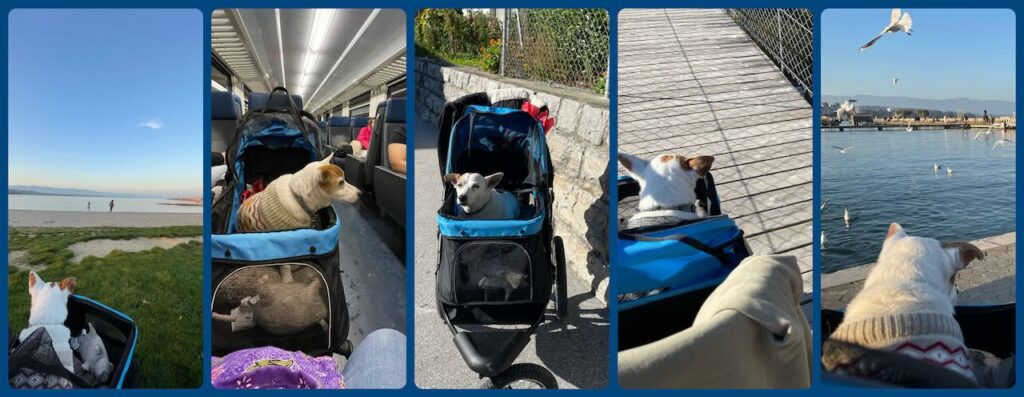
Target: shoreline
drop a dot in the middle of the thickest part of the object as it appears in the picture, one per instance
(988, 281)
(34, 218)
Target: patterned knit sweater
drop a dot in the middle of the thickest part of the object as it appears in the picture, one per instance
(264, 211)
(933, 337)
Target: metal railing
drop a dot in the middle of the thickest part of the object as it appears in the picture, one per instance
(786, 36)
(568, 47)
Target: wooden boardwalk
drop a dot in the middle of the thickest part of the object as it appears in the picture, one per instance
(691, 82)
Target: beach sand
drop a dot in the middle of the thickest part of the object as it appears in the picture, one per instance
(26, 218)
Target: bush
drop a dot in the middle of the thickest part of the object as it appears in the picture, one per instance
(448, 34)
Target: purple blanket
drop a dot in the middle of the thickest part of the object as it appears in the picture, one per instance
(273, 368)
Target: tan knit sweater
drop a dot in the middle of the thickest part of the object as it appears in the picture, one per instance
(932, 337)
(264, 211)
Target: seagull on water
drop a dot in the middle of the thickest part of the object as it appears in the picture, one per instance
(842, 149)
(846, 217)
(897, 21)
(823, 239)
(936, 167)
(949, 170)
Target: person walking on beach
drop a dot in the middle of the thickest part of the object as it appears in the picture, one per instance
(89, 206)
(111, 205)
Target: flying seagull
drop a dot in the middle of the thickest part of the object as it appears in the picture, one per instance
(897, 22)
(895, 80)
(824, 204)
(842, 149)
(1001, 142)
(846, 217)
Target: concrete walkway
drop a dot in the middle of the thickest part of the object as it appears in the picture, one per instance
(691, 82)
(988, 281)
(575, 350)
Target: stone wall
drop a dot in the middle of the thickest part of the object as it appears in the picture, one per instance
(579, 152)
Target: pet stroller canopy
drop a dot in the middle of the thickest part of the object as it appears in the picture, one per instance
(487, 140)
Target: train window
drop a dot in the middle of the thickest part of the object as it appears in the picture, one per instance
(396, 89)
(360, 105)
(220, 77)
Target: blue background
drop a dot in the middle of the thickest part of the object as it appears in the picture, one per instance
(410, 8)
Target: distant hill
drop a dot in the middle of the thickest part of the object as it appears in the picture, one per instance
(57, 191)
(995, 108)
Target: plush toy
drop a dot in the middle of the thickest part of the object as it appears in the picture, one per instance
(289, 306)
(94, 354)
(241, 317)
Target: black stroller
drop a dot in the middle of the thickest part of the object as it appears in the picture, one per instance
(495, 276)
(274, 138)
(33, 363)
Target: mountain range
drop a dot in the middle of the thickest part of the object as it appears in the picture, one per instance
(977, 106)
(59, 191)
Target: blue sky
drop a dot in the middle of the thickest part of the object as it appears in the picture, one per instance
(951, 54)
(109, 100)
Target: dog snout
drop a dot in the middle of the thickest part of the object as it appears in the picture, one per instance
(462, 198)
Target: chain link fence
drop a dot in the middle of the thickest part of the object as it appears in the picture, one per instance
(786, 36)
(568, 47)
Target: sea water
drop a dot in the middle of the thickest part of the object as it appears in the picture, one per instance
(888, 177)
(99, 204)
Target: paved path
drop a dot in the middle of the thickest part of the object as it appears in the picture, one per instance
(691, 82)
(28, 218)
(988, 281)
(576, 350)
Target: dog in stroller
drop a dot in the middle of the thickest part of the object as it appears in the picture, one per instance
(497, 273)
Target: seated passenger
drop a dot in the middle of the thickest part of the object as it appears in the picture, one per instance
(364, 136)
(396, 150)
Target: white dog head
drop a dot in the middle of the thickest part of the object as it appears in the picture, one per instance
(668, 180)
(49, 300)
(320, 182)
(473, 190)
(921, 259)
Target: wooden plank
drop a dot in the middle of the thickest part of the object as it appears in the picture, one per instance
(692, 82)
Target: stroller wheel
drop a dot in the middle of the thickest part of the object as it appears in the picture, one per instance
(561, 281)
(522, 376)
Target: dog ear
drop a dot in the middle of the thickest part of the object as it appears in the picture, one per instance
(328, 159)
(68, 285)
(326, 174)
(494, 179)
(34, 280)
(700, 164)
(633, 164)
(895, 232)
(451, 178)
(963, 253)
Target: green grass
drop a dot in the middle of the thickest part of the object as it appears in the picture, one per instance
(473, 61)
(161, 289)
